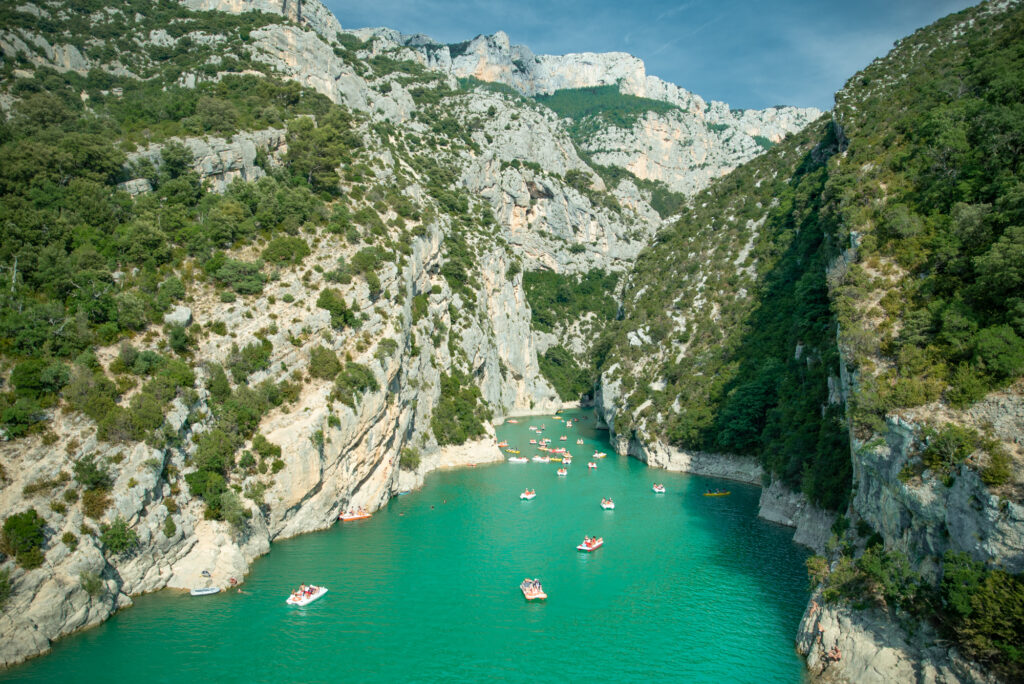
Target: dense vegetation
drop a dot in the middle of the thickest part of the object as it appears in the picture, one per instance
(933, 187)
(716, 309)
(592, 108)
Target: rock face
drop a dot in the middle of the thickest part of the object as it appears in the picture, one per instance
(868, 646)
(219, 161)
(781, 505)
(686, 148)
(925, 516)
(313, 14)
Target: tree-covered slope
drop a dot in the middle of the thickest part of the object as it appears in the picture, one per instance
(847, 309)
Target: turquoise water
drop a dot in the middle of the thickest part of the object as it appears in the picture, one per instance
(686, 587)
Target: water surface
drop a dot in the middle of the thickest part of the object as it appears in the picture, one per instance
(687, 587)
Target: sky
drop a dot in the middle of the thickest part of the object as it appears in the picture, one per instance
(748, 54)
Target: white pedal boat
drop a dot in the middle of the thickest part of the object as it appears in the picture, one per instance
(300, 598)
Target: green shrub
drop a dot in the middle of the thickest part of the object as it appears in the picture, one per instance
(70, 540)
(286, 250)
(323, 363)
(355, 380)
(118, 538)
(409, 459)
(92, 474)
(91, 583)
(341, 315)
(23, 537)
(95, 503)
(949, 446)
(460, 411)
(5, 586)
(251, 358)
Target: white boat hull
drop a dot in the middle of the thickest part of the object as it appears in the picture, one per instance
(306, 600)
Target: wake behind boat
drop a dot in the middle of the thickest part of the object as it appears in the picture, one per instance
(305, 595)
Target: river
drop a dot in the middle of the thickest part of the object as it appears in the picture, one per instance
(686, 587)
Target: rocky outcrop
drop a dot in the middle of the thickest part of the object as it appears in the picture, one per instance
(843, 645)
(312, 14)
(926, 516)
(218, 161)
(781, 505)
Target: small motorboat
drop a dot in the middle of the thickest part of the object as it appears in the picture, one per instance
(541, 459)
(591, 544)
(599, 454)
(305, 595)
(533, 441)
(579, 441)
(354, 515)
(567, 460)
(518, 459)
(568, 423)
(658, 488)
(528, 495)
(607, 504)
(562, 472)
(717, 492)
(591, 465)
(204, 591)
(559, 450)
(563, 438)
(502, 444)
(532, 590)
(513, 420)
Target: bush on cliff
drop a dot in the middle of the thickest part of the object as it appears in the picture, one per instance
(23, 536)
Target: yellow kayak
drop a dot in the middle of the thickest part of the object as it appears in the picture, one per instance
(717, 493)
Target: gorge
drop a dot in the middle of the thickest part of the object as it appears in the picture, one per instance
(263, 269)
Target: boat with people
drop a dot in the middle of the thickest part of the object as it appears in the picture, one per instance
(528, 495)
(512, 451)
(568, 423)
(518, 459)
(204, 591)
(579, 441)
(562, 472)
(513, 420)
(563, 438)
(599, 454)
(567, 459)
(607, 504)
(502, 444)
(591, 544)
(533, 441)
(717, 492)
(354, 514)
(658, 488)
(541, 459)
(591, 465)
(305, 594)
(532, 590)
